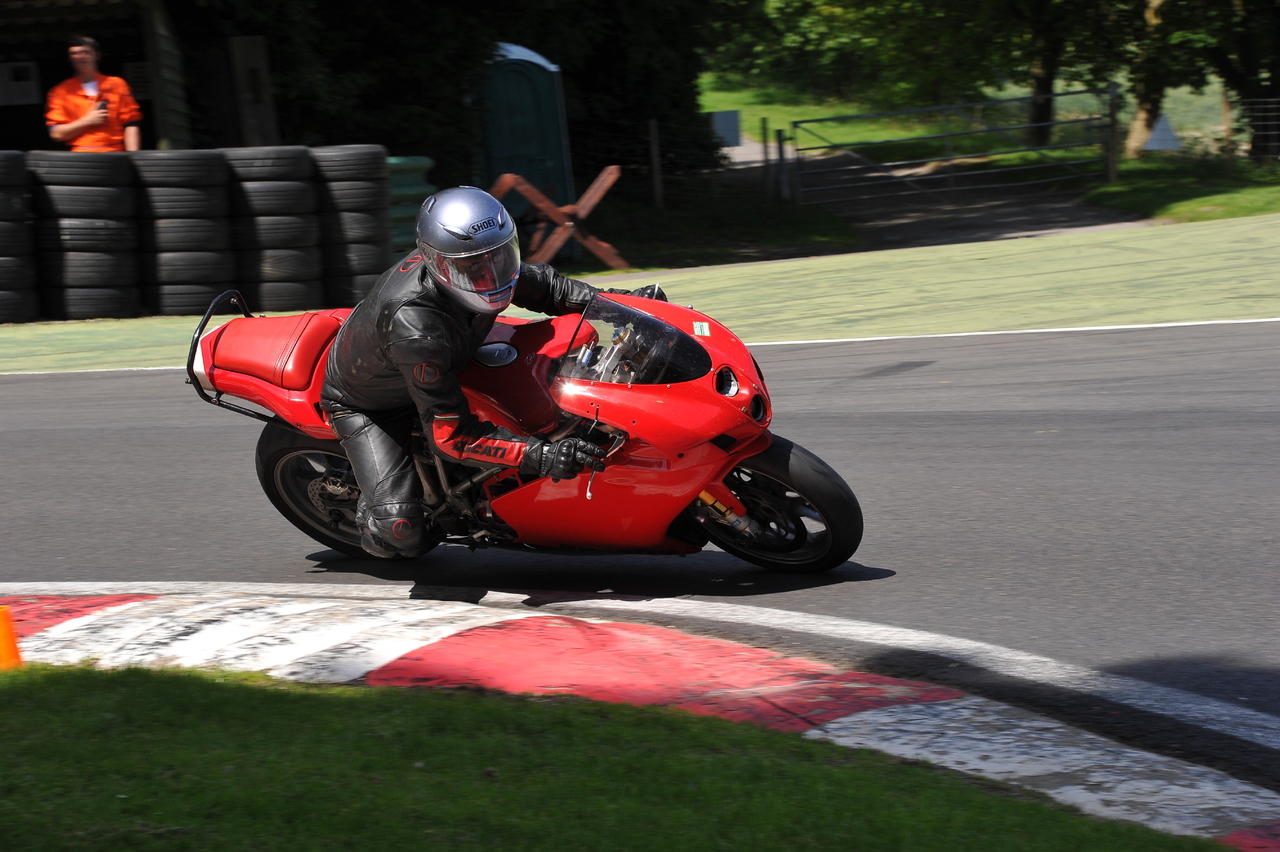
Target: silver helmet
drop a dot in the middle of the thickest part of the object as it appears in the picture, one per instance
(469, 247)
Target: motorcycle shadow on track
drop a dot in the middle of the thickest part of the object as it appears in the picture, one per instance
(454, 574)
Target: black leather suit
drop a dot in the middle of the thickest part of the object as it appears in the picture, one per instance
(399, 354)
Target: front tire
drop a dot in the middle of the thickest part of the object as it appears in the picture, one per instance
(310, 482)
(809, 517)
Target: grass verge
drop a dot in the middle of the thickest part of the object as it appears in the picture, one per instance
(97, 344)
(1181, 273)
(1188, 189)
(141, 759)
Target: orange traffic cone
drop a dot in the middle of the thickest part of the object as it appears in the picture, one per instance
(10, 656)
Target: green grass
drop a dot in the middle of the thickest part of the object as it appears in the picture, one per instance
(1189, 189)
(140, 759)
(779, 107)
(1178, 273)
(97, 344)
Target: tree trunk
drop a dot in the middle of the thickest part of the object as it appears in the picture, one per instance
(1148, 94)
(1149, 83)
(1047, 44)
(1248, 63)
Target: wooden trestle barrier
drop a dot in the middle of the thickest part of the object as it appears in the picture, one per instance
(566, 220)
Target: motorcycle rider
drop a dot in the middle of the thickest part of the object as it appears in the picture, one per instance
(400, 351)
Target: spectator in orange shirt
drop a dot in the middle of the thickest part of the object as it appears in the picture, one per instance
(91, 111)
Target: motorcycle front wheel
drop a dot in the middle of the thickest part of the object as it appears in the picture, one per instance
(310, 482)
(809, 519)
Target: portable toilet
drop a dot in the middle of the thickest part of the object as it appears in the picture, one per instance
(524, 128)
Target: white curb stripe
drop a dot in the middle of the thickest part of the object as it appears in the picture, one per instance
(1077, 768)
(1251, 725)
(1013, 331)
(323, 641)
(337, 640)
(326, 591)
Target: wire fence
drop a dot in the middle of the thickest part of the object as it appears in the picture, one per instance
(1004, 144)
(1263, 116)
(999, 144)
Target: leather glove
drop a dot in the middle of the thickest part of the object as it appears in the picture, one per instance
(563, 459)
(652, 291)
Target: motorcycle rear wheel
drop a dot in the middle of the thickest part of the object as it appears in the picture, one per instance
(310, 482)
(810, 518)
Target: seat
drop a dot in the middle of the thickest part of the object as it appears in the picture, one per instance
(281, 350)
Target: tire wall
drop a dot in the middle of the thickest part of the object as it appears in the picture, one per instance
(355, 211)
(185, 230)
(17, 262)
(86, 207)
(164, 232)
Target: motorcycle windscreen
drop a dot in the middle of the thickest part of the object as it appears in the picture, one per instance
(620, 345)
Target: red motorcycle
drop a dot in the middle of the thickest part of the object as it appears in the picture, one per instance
(674, 396)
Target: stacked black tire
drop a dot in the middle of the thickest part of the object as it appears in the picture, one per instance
(275, 229)
(17, 266)
(85, 234)
(355, 219)
(184, 228)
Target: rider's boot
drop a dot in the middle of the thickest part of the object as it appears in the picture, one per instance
(387, 533)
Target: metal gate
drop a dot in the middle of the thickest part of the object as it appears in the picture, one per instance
(981, 145)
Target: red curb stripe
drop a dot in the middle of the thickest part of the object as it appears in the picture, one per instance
(1260, 838)
(33, 613)
(639, 664)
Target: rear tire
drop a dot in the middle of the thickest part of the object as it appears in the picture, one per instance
(812, 521)
(309, 481)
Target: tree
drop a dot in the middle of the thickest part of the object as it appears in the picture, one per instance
(1240, 40)
(923, 51)
(886, 52)
(1159, 57)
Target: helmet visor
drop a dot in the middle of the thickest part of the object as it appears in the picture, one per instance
(491, 275)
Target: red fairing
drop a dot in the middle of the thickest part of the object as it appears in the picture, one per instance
(667, 460)
(518, 393)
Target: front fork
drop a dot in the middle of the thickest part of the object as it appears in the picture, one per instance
(723, 506)
(716, 507)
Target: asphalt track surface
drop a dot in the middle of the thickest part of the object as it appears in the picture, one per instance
(1105, 498)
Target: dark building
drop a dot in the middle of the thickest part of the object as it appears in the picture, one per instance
(139, 43)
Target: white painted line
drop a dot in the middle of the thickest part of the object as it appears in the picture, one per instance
(804, 342)
(102, 370)
(1260, 728)
(1098, 776)
(1015, 331)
